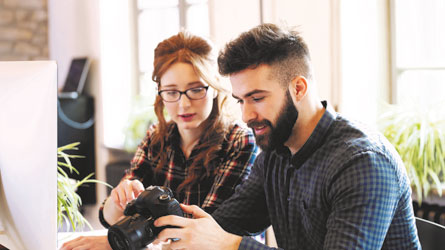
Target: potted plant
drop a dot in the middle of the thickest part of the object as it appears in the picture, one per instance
(141, 117)
(418, 134)
(68, 201)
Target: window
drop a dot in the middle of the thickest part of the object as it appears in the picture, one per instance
(418, 51)
(158, 20)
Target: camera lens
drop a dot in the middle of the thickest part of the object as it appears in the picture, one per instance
(131, 233)
(117, 241)
(136, 229)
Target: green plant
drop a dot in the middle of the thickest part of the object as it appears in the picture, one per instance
(141, 117)
(418, 134)
(68, 201)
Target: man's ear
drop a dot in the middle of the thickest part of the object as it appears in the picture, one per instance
(298, 87)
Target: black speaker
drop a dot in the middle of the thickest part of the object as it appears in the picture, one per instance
(76, 124)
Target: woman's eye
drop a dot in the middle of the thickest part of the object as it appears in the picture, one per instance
(239, 101)
(172, 93)
(196, 90)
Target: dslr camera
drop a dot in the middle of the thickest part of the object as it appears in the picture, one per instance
(136, 229)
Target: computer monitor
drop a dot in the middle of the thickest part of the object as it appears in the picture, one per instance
(28, 155)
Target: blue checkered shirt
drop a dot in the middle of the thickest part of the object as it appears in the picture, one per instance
(346, 188)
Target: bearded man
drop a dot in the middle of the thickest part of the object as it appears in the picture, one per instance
(322, 181)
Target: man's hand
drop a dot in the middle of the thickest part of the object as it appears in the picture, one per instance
(87, 242)
(201, 232)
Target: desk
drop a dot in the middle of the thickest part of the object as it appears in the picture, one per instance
(63, 237)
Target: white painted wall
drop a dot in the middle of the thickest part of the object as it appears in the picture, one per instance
(74, 28)
(229, 18)
(73, 32)
(365, 58)
(312, 19)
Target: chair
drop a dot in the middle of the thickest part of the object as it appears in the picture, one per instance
(431, 235)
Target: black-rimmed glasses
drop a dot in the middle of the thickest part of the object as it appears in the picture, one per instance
(174, 95)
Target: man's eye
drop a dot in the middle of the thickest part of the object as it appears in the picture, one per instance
(257, 99)
(239, 101)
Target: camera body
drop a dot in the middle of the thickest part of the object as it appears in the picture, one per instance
(136, 229)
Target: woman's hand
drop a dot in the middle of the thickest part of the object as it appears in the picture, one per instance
(101, 243)
(126, 191)
(87, 242)
(114, 206)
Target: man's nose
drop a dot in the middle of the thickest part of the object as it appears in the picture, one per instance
(249, 114)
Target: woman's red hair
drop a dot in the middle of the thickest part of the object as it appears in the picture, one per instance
(197, 52)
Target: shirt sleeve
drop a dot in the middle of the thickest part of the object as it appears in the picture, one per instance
(235, 168)
(140, 168)
(365, 195)
(245, 213)
(249, 243)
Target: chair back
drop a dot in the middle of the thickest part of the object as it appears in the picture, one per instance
(431, 235)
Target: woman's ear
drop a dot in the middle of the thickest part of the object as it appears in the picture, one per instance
(215, 93)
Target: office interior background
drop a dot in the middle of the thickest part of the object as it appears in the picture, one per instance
(365, 53)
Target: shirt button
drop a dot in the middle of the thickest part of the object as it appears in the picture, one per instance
(288, 198)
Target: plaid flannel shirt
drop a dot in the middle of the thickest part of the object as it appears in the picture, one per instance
(237, 155)
(346, 188)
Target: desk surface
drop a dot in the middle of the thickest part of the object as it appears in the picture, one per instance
(63, 237)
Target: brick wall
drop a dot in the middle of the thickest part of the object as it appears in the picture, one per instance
(23, 30)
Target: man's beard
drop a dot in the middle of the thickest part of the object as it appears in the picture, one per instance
(279, 133)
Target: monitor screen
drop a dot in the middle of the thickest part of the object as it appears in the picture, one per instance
(28, 155)
(77, 74)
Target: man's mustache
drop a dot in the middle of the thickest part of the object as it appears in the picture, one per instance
(253, 124)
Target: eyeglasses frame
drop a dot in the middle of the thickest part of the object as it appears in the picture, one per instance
(184, 93)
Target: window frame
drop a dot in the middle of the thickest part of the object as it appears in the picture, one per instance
(397, 71)
(182, 6)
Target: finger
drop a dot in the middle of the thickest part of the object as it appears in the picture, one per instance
(169, 233)
(129, 195)
(194, 210)
(171, 220)
(72, 244)
(86, 247)
(158, 242)
(122, 197)
(138, 187)
(178, 245)
(115, 198)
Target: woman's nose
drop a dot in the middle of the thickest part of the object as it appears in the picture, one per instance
(184, 101)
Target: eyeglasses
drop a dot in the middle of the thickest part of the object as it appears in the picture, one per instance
(175, 95)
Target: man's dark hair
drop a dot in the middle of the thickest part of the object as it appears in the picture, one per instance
(282, 49)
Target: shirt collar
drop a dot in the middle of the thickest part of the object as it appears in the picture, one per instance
(173, 137)
(317, 137)
(174, 141)
(314, 141)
